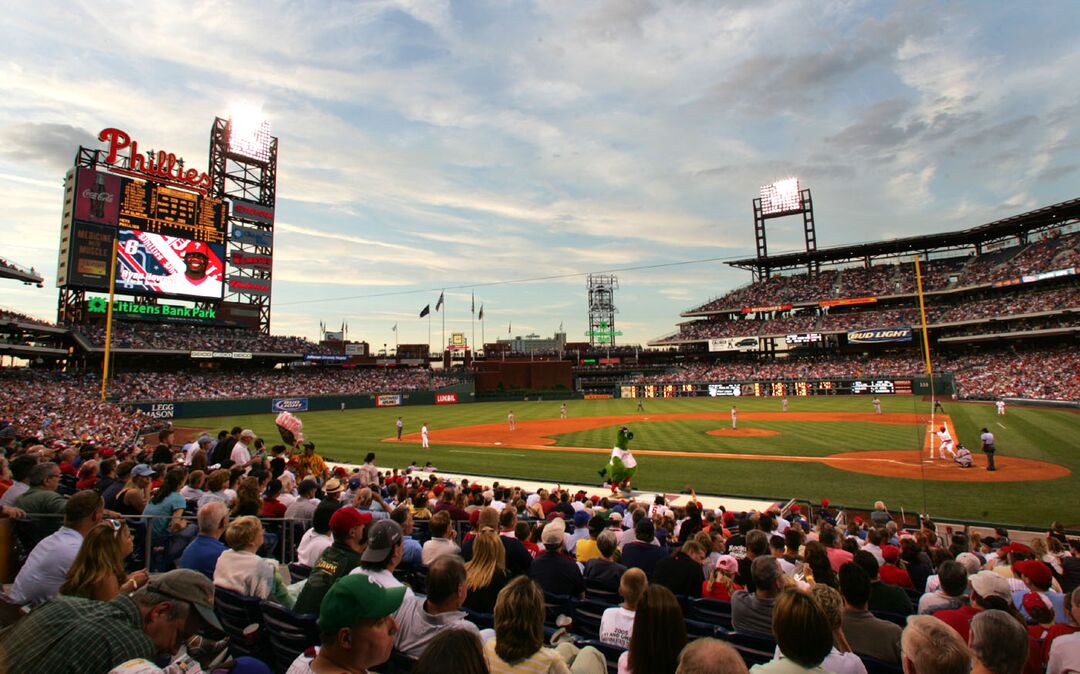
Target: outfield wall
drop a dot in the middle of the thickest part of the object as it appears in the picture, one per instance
(190, 409)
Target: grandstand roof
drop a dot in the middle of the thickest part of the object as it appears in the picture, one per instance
(1032, 221)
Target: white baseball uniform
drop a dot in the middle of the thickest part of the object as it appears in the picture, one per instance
(1001, 408)
(734, 418)
(946, 444)
(424, 436)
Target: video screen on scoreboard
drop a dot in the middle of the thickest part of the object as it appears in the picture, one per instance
(155, 264)
(876, 386)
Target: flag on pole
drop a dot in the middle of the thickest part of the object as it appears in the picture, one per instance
(509, 326)
(425, 311)
(438, 305)
(473, 305)
(481, 316)
(394, 329)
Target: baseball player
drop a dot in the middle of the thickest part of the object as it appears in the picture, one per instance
(400, 427)
(1000, 408)
(562, 411)
(510, 420)
(734, 418)
(877, 405)
(963, 457)
(640, 404)
(783, 404)
(424, 436)
(946, 444)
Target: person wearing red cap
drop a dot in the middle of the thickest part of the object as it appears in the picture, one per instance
(199, 278)
(891, 571)
(1038, 578)
(349, 529)
(1061, 648)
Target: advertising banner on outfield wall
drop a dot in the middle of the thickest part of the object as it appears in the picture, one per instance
(388, 400)
(767, 309)
(716, 390)
(289, 405)
(804, 338)
(879, 335)
(446, 399)
(733, 344)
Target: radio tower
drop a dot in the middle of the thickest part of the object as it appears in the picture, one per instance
(602, 309)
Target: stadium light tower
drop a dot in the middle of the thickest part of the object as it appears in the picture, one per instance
(780, 199)
(602, 309)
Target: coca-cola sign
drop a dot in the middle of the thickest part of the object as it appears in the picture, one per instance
(159, 166)
(97, 196)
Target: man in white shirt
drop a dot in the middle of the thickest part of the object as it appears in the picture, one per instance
(420, 619)
(241, 455)
(368, 473)
(1065, 650)
(47, 566)
(946, 443)
(424, 435)
(442, 539)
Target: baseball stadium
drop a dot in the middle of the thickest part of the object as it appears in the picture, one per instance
(906, 406)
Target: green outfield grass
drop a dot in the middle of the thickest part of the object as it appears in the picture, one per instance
(1037, 433)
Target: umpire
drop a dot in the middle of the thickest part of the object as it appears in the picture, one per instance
(988, 447)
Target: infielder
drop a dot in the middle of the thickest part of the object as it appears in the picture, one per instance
(1000, 408)
(423, 436)
(877, 405)
(510, 420)
(640, 404)
(562, 411)
(734, 418)
(946, 444)
(400, 427)
(783, 404)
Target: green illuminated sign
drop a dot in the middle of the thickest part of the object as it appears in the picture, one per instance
(99, 305)
(604, 335)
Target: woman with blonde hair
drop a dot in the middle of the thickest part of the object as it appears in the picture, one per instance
(721, 582)
(98, 569)
(518, 646)
(841, 659)
(486, 573)
(241, 570)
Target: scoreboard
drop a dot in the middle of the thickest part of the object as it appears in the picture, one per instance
(160, 209)
(772, 389)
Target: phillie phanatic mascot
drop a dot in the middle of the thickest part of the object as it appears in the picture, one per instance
(622, 466)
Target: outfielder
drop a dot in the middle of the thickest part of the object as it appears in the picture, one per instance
(783, 404)
(510, 420)
(877, 405)
(946, 444)
(562, 411)
(423, 436)
(621, 466)
(734, 418)
(1000, 408)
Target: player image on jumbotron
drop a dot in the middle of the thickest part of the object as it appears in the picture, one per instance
(169, 265)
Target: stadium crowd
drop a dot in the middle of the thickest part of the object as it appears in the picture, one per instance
(9, 316)
(456, 576)
(171, 337)
(1051, 253)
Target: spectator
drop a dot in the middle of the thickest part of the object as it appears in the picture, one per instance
(581, 530)
(73, 634)
(837, 555)
(518, 559)
(239, 569)
(442, 539)
(21, 467)
(202, 553)
(413, 553)
(356, 625)
(1070, 565)
(41, 498)
(682, 572)
(317, 538)
(721, 582)
(989, 591)
(930, 647)
(311, 464)
(421, 619)
(98, 570)
(248, 502)
(459, 651)
(216, 484)
(866, 634)
(1038, 577)
(954, 583)
(303, 508)
(1072, 607)
(382, 554)
(133, 497)
(820, 564)
(883, 597)
(1062, 652)
(658, 636)
(803, 635)
(752, 612)
(272, 507)
(999, 644)
(338, 560)
(553, 571)
(841, 659)
(604, 572)
(47, 566)
(486, 573)
(368, 473)
(757, 545)
(166, 506)
(617, 622)
(586, 548)
(642, 553)
(891, 572)
(518, 646)
(193, 489)
(710, 656)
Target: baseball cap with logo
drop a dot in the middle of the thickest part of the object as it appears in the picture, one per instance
(356, 597)
(382, 537)
(990, 584)
(190, 586)
(143, 470)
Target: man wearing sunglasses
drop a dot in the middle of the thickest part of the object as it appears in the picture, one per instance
(71, 634)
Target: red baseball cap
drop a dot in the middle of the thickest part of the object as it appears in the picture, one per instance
(1038, 572)
(825, 503)
(1033, 600)
(346, 518)
(891, 553)
(796, 508)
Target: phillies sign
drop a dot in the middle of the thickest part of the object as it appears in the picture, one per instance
(159, 166)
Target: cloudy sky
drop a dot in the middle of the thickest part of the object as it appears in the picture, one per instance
(426, 145)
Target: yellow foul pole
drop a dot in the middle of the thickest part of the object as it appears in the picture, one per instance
(108, 321)
(925, 340)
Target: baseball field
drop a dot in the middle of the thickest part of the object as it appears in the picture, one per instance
(835, 448)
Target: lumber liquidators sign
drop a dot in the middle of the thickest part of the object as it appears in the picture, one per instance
(879, 335)
(289, 404)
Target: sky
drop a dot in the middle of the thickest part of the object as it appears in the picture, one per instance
(469, 145)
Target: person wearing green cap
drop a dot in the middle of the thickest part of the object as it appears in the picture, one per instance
(357, 626)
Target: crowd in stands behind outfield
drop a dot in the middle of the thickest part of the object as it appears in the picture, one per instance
(155, 336)
(963, 310)
(266, 383)
(1053, 252)
(8, 315)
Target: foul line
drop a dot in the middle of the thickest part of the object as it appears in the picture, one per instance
(465, 451)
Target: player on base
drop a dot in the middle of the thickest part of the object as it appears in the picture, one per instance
(946, 444)
(622, 465)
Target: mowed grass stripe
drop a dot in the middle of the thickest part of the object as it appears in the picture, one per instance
(1045, 434)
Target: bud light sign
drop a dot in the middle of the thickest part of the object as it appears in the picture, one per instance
(290, 405)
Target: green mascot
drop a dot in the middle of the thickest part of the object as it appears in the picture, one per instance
(622, 466)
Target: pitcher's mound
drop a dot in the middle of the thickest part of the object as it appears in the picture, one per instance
(906, 464)
(742, 433)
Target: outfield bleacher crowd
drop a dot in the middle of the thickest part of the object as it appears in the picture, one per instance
(304, 568)
(9, 316)
(165, 336)
(1054, 252)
